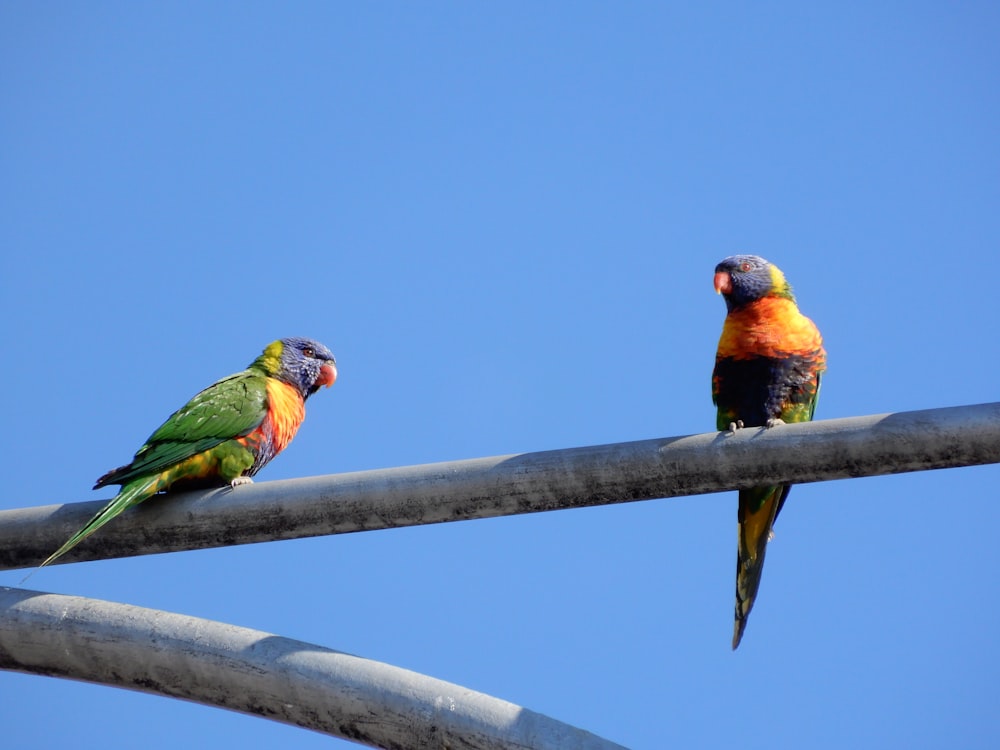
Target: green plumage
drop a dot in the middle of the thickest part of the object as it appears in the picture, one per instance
(230, 408)
(196, 442)
(225, 434)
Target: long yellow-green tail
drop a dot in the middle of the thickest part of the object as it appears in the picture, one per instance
(759, 506)
(131, 494)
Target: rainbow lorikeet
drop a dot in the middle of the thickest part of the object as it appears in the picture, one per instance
(767, 372)
(224, 434)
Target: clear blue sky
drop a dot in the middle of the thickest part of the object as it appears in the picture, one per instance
(503, 218)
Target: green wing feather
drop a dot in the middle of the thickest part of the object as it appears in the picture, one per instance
(227, 409)
(803, 411)
(186, 445)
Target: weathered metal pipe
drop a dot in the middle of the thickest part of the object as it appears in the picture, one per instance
(519, 483)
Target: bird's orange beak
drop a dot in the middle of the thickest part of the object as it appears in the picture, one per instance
(723, 282)
(327, 375)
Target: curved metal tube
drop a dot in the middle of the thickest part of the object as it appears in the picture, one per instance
(264, 675)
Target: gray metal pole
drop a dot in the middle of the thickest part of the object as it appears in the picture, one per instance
(521, 483)
(264, 675)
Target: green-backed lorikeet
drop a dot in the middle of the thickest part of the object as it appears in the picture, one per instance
(767, 372)
(224, 434)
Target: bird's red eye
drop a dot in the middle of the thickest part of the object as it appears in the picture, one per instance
(746, 266)
(309, 351)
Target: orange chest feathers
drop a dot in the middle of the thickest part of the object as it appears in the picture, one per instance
(285, 413)
(769, 327)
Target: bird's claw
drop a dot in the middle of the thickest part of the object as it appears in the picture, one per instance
(240, 480)
(774, 422)
(734, 426)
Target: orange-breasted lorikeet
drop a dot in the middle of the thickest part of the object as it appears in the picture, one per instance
(224, 434)
(767, 372)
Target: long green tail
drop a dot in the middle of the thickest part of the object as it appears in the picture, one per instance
(759, 506)
(131, 494)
